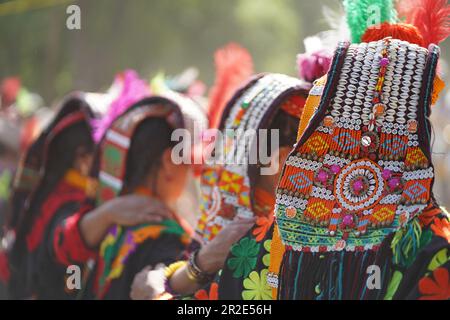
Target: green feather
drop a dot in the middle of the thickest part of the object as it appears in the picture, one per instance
(362, 14)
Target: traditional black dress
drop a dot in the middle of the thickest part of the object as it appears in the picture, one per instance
(126, 251)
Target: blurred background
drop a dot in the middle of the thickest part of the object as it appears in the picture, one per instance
(48, 60)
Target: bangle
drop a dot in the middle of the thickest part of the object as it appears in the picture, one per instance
(171, 269)
(194, 272)
(169, 272)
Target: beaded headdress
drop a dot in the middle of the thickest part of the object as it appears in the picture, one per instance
(227, 189)
(362, 170)
(178, 111)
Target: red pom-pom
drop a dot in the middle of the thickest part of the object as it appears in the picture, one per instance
(400, 31)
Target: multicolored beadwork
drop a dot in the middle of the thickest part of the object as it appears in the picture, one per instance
(359, 173)
(226, 189)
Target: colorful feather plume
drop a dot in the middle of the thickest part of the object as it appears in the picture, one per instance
(362, 14)
(431, 17)
(234, 65)
(132, 89)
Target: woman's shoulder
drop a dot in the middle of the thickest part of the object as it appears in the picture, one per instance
(165, 229)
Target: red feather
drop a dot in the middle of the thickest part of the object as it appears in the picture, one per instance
(431, 17)
(234, 65)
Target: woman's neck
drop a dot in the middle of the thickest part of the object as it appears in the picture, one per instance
(75, 179)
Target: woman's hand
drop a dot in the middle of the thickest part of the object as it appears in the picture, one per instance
(211, 257)
(127, 211)
(148, 284)
(132, 210)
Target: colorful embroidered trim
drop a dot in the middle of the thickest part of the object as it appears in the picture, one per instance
(118, 139)
(121, 243)
(63, 194)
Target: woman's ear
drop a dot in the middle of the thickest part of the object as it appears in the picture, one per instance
(167, 166)
(171, 178)
(83, 161)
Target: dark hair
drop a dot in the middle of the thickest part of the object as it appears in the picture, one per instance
(287, 126)
(34, 157)
(150, 140)
(31, 159)
(61, 154)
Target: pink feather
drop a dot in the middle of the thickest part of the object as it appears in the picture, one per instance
(133, 89)
(312, 66)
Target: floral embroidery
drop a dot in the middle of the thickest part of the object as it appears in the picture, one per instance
(266, 257)
(256, 287)
(244, 257)
(393, 285)
(213, 293)
(439, 259)
(437, 288)
(441, 228)
(263, 226)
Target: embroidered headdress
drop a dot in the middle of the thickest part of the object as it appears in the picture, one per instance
(227, 190)
(177, 110)
(362, 169)
(73, 110)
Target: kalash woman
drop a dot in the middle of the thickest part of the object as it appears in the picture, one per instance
(364, 223)
(136, 159)
(75, 234)
(255, 282)
(61, 155)
(237, 193)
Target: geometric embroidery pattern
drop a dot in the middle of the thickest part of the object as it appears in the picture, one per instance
(300, 180)
(231, 182)
(346, 142)
(382, 214)
(318, 211)
(316, 144)
(415, 157)
(415, 191)
(395, 145)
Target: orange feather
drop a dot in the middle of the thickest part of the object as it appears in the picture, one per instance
(234, 65)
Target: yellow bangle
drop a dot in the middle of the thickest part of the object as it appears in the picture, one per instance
(171, 269)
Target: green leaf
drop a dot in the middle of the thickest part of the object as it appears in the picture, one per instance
(393, 285)
(439, 259)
